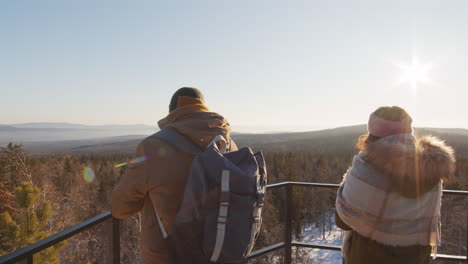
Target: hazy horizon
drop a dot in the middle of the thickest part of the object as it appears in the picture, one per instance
(74, 137)
(264, 65)
(236, 129)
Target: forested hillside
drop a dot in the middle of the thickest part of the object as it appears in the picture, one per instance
(77, 186)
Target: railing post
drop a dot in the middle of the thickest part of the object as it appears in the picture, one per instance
(288, 227)
(115, 240)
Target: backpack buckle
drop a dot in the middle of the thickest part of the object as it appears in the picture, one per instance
(222, 219)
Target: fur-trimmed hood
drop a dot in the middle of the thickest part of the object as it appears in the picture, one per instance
(415, 165)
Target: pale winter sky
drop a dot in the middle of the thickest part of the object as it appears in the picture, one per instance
(265, 65)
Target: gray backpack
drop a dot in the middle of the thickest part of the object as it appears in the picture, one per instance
(220, 215)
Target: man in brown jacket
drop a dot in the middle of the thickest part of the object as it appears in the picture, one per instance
(163, 170)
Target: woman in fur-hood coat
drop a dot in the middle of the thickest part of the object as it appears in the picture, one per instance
(389, 200)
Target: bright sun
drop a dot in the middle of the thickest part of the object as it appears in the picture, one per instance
(415, 73)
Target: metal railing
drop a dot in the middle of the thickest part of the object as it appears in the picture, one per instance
(27, 253)
(289, 243)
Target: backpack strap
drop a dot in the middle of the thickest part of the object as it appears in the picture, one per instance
(257, 210)
(174, 138)
(222, 216)
(163, 230)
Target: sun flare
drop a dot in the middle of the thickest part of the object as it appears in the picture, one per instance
(415, 73)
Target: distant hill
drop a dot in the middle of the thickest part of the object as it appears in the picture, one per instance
(7, 128)
(125, 144)
(447, 131)
(44, 125)
(49, 125)
(329, 140)
(47, 132)
(301, 140)
(339, 139)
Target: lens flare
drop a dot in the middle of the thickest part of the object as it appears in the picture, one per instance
(138, 159)
(121, 164)
(88, 175)
(133, 161)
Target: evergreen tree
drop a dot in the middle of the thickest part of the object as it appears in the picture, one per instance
(29, 225)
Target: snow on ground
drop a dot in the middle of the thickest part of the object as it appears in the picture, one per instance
(313, 234)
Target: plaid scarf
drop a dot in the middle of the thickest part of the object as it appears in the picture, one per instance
(367, 203)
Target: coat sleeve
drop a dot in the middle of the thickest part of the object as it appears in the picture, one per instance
(128, 196)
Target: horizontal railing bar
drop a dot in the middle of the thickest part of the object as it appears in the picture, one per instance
(313, 184)
(266, 250)
(455, 192)
(322, 185)
(276, 185)
(338, 248)
(54, 239)
(450, 257)
(333, 185)
(319, 246)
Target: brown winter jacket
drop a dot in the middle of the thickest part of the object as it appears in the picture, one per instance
(362, 250)
(163, 175)
(413, 172)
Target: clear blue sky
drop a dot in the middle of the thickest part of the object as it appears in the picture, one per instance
(265, 65)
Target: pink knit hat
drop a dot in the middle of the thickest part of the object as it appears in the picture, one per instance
(380, 127)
